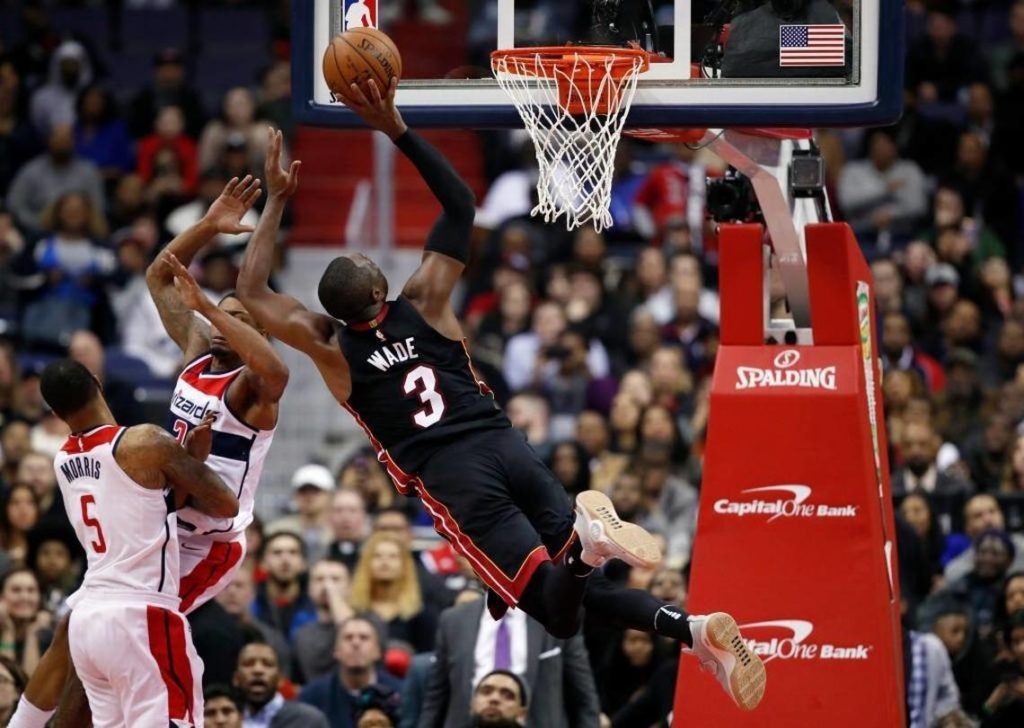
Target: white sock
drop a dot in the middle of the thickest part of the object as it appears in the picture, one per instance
(29, 716)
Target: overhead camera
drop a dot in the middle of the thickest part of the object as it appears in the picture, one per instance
(731, 199)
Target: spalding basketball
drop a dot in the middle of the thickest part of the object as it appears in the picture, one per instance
(358, 55)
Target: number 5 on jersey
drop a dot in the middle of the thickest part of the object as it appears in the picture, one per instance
(422, 381)
(99, 546)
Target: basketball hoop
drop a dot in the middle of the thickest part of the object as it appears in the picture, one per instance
(573, 101)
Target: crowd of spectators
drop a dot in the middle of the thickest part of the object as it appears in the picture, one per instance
(600, 346)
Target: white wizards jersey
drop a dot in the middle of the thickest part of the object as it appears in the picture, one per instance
(238, 450)
(128, 532)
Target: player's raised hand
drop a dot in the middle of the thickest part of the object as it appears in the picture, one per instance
(199, 440)
(227, 211)
(281, 183)
(377, 108)
(189, 290)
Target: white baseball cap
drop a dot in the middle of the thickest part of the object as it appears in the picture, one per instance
(315, 475)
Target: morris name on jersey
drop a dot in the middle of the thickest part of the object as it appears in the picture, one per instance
(391, 354)
(81, 467)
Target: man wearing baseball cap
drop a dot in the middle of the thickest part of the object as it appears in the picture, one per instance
(312, 489)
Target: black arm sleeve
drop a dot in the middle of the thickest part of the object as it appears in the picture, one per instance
(450, 234)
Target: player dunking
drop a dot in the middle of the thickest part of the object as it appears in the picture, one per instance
(233, 373)
(401, 368)
(131, 646)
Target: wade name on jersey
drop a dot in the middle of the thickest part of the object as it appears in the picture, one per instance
(391, 354)
(81, 467)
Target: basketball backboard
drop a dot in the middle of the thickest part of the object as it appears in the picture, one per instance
(782, 62)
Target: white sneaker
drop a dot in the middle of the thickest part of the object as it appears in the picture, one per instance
(434, 14)
(721, 650)
(603, 536)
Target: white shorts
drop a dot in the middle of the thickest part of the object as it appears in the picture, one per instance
(206, 567)
(137, 664)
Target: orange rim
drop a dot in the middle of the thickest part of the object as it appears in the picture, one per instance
(562, 65)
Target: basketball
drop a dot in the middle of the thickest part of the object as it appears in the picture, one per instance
(358, 55)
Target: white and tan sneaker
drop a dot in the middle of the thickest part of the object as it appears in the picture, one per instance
(721, 650)
(604, 536)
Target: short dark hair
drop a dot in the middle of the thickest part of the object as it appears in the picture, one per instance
(346, 289)
(507, 673)
(219, 690)
(271, 537)
(67, 387)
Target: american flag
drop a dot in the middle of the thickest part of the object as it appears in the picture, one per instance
(812, 45)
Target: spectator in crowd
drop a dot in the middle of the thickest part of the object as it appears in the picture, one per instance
(169, 88)
(15, 442)
(500, 699)
(350, 527)
(918, 512)
(86, 348)
(211, 183)
(471, 644)
(987, 188)
(944, 60)
(980, 588)
(1005, 706)
(19, 514)
(312, 490)
(56, 558)
(100, 136)
(329, 590)
(378, 708)
(53, 105)
(898, 352)
(258, 678)
(221, 707)
(238, 119)
(364, 474)
(236, 599)
(982, 513)
(18, 139)
(625, 669)
(281, 601)
(12, 684)
(36, 470)
(385, 584)
(25, 628)
(970, 656)
(358, 652)
(919, 447)
(276, 98)
(594, 436)
(932, 694)
(168, 158)
(395, 521)
(50, 176)
(883, 196)
(531, 414)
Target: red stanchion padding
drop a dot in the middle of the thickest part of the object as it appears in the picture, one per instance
(794, 534)
(740, 284)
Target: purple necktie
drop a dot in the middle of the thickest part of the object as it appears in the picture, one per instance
(502, 647)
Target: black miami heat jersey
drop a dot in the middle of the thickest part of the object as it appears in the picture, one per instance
(413, 390)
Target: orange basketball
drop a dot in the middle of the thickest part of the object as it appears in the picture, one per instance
(358, 55)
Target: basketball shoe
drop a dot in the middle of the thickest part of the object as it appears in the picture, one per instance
(604, 536)
(721, 650)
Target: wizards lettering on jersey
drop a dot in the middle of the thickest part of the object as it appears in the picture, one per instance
(182, 405)
(81, 467)
(391, 354)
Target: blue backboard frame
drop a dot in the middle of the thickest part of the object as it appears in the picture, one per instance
(884, 110)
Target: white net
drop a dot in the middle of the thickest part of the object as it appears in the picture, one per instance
(574, 111)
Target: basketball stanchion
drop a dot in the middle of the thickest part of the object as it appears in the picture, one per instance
(795, 531)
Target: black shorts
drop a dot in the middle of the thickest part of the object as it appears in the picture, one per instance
(499, 506)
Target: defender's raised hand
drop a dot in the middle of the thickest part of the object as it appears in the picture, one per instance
(378, 109)
(227, 211)
(187, 287)
(281, 183)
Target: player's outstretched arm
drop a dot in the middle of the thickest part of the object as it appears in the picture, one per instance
(447, 249)
(224, 216)
(154, 459)
(260, 357)
(283, 316)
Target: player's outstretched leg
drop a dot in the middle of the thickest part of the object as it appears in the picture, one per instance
(714, 639)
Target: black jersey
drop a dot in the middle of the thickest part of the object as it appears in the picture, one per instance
(413, 390)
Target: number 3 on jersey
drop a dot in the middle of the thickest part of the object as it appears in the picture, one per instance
(422, 381)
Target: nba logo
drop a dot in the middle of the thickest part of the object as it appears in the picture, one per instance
(360, 14)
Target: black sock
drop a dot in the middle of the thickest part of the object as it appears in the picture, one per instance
(634, 609)
(574, 560)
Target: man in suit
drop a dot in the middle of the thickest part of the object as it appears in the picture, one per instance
(920, 472)
(470, 644)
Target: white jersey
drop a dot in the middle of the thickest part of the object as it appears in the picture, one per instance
(128, 532)
(238, 451)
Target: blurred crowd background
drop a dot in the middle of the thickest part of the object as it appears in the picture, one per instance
(601, 346)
